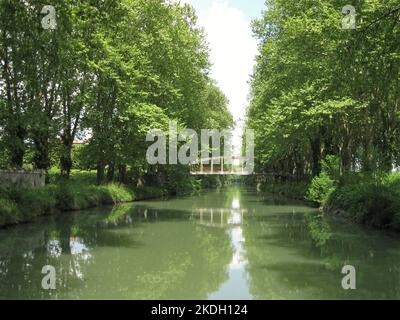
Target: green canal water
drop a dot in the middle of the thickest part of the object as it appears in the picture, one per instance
(225, 244)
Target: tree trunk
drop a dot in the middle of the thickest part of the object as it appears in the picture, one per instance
(110, 172)
(66, 157)
(100, 173)
(122, 173)
(346, 154)
(17, 147)
(316, 156)
(41, 157)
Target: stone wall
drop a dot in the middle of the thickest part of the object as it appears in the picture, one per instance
(22, 179)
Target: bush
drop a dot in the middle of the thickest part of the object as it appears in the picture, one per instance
(321, 188)
(370, 200)
(9, 213)
(325, 184)
(178, 180)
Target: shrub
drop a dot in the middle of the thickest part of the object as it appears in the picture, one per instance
(325, 184)
(9, 213)
(370, 200)
(321, 188)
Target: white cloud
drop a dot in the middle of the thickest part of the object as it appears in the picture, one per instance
(233, 50)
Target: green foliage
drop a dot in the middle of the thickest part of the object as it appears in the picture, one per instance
(288, 189)
(119, 193)
(331, 166)
(110, 72)
(209, 182)
(77, 196)
(321, 188)
(9, 213)
(146, 192)
(40, 201)
(319, 90)
(179, 180)
(326, 182)
(370, 200)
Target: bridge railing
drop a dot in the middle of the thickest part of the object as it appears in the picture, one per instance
(219, 166)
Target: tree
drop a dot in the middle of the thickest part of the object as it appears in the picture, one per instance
(320, 90)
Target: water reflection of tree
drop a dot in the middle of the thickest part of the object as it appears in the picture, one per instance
(177, 259)
(124, 253)
(301, 258)
(21, 263)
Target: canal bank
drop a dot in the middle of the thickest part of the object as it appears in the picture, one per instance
(24, 205)
(80, 192)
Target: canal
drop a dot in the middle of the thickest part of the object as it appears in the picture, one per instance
(230, 243)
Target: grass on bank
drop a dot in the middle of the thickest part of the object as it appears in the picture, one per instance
(18, 206)
(80, 192)
(372, 199)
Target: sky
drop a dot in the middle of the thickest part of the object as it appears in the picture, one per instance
(232, 48)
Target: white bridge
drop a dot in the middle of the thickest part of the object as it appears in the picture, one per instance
(218, 166)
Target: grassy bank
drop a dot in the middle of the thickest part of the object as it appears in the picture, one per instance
(77, 193)
(370, 200)
(80, 192)
(17, 206)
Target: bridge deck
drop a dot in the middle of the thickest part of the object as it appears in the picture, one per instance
(219, 173)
